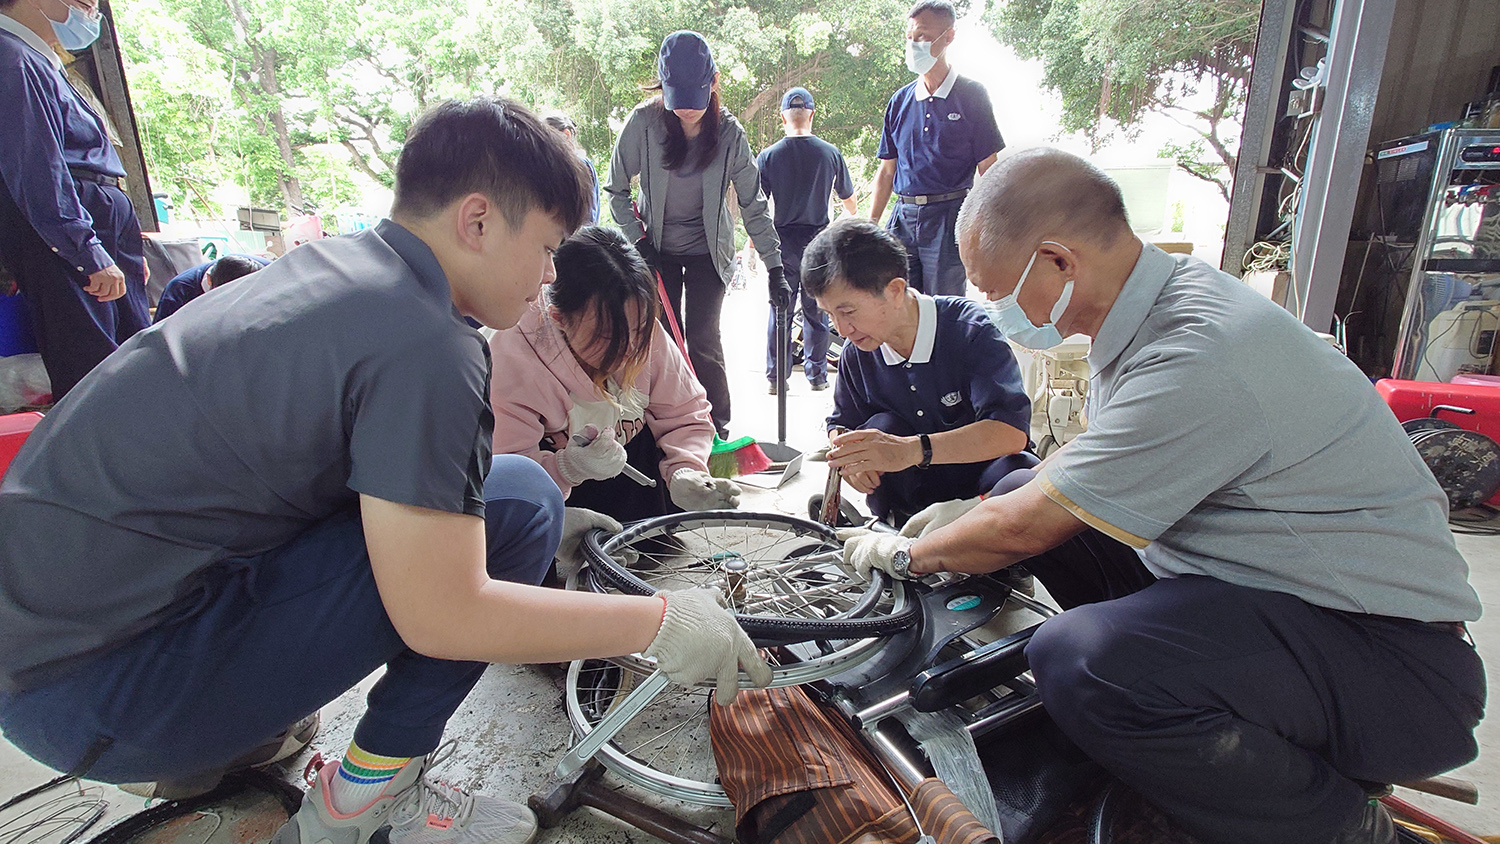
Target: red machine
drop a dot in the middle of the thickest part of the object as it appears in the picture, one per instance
(1470, 406)
(13, 431)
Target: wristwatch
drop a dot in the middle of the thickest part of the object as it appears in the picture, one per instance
(926, 451)
(901, 562)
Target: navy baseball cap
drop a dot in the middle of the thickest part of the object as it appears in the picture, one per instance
(685, 66)
(797, 98)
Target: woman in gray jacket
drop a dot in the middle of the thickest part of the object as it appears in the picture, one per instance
(687, 151)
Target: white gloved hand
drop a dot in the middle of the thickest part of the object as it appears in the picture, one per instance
(694, 490)
(937, 515)
(700, 640)
(577, 522)
(868, 549)
(600, 460)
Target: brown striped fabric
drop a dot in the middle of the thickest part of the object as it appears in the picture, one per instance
(800, 775)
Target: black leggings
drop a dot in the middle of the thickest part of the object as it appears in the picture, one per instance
(696, 276)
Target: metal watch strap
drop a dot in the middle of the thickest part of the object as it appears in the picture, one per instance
(901, 562)
(926, 451)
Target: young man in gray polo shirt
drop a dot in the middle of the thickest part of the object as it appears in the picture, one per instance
(325, 504)
(1300, 627)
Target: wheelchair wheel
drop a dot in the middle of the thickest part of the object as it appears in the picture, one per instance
(665, 749)
(782, 578)
(780, 575)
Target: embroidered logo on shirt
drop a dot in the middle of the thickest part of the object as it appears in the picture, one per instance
(953, 115)
(952, 399)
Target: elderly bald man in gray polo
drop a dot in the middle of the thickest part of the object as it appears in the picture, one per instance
(1264, 604)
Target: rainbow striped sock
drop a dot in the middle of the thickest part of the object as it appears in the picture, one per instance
(361, 779)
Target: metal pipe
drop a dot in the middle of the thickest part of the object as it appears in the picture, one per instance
(880, 709)
(1023, 705)
(902, 767)
(1315, 33)
(1032, 604)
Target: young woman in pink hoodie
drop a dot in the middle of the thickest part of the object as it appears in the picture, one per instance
(589, 380)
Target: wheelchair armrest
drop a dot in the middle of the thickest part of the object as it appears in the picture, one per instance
(977, 671)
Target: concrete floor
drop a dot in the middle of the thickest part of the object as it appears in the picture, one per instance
(512, 729)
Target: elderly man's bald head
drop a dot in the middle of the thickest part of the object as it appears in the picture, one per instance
(1041, 194)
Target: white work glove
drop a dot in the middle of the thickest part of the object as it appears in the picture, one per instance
(577, 522)
(694, 490)
(868, 549)
(937, 515)
(600, 460)
(700, 640)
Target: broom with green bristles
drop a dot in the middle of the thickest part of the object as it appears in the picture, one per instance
(743, 456)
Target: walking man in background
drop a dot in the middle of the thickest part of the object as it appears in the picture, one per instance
(800, 173)
(938, 131)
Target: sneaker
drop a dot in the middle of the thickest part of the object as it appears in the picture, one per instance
(819, 386)
(412, 810)
(284, 746)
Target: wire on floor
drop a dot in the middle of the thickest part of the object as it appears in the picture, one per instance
(32, 817)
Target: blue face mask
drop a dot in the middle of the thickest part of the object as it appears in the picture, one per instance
(1007, 315)
(78, 31)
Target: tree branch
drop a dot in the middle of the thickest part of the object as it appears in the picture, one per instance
(360, 161)
(771, 92)
(1192, 169)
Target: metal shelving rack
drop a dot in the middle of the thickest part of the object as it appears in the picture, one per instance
(1453, 294)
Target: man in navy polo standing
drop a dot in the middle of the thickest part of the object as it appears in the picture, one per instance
(801, 173)
(938, 131)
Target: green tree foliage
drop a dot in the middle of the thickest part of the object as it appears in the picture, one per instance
(258, 92)
(596, 55)
(1124, 59)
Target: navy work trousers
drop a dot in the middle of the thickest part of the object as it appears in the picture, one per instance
(794, 241)
(74, 330)
(269, 641)
(930, 235)
(903, 494)
(1245, 714)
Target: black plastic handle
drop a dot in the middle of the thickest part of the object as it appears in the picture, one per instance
(977, 671)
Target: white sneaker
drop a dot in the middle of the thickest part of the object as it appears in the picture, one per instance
(411, 810)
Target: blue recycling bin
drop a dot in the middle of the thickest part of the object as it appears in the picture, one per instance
(15, 327)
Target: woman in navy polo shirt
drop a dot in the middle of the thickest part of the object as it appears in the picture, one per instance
(930, 392)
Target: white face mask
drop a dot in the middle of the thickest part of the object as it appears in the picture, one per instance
(1007, 315)
(919, 57)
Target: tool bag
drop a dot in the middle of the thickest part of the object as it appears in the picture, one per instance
(798, 774)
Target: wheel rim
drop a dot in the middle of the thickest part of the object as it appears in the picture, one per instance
(665, 749)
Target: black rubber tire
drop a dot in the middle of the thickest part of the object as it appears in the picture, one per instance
(1426, 423)
(858, 622)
